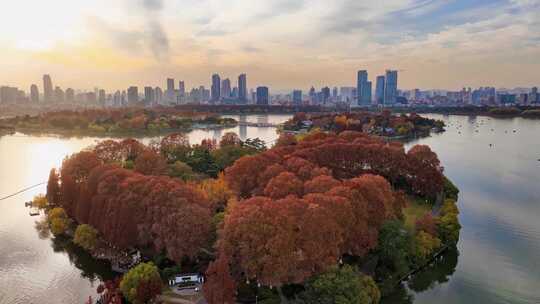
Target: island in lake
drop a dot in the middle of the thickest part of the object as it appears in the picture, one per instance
(321, 215)
(114, 122)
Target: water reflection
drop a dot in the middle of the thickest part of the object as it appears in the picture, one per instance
(432, 276)
(91, 269)
(438, 272)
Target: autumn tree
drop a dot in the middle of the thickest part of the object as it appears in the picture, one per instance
(220, 287)
(175, 147)
(58, 221)
(230, 139)
(286, 139)
(86, 236)
(286, 183)
(280, 242)
(150, 163)
(425, 171)
(425, 245)
(141, 284)
(217, 191)
(53, 188)
(428, 224)
(40, 202)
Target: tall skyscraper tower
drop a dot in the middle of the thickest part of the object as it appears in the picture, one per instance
(226, 88)
(70, 95)
(215, 91)
(390, 90)
(242, 88)
(149, 96)
(170, 84)
(363, 88)
(133, 95)
(181, 88)
(379, 90)
(263, 97)
(34, 93)
(297, 97)
(48, 93)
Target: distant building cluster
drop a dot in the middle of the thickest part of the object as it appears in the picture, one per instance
(384, 93)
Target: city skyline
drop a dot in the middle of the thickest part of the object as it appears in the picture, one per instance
(115, 44)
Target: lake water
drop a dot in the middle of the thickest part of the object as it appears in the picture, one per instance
(499, 247)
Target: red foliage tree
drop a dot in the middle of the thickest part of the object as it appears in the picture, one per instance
(286, 139)
(220, 286)
(175, 147)
(150, 163)
(428, 224)
(320, 184)
(110, 151)
(53, 188)
(286, 183)
(280, 242)
(425, 171)
(230, 139)
(148, 290)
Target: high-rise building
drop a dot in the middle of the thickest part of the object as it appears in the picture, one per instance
(8, 94)
(347, 94)
(242, 88)
(158, 95)
(363, 88)
(215, 90)
(133, 95)
(335, 93)
(226, 88)
(379, 90)
(181, 88)
(34, 93)
(262, 96)
(70, 95)
(48, 94)
(325, 95)
(59, 95)
(297, 97)
(390, 89)
(102, 96)
(149, 96)
(533, 96)
(170, 84)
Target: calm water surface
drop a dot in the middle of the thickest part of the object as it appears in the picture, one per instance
(499, 248)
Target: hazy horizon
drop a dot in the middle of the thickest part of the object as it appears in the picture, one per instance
(283, 44)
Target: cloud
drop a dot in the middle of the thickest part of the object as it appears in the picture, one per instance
(157, 39)
(251, 49)
(154, 5)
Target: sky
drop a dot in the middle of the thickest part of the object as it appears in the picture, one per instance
(284, 44)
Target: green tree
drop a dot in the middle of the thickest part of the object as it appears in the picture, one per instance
(86, 236)
(202, 161)
(139, 284)
(343, 285)
(393, 249)
(227, 155)
(181, 170)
